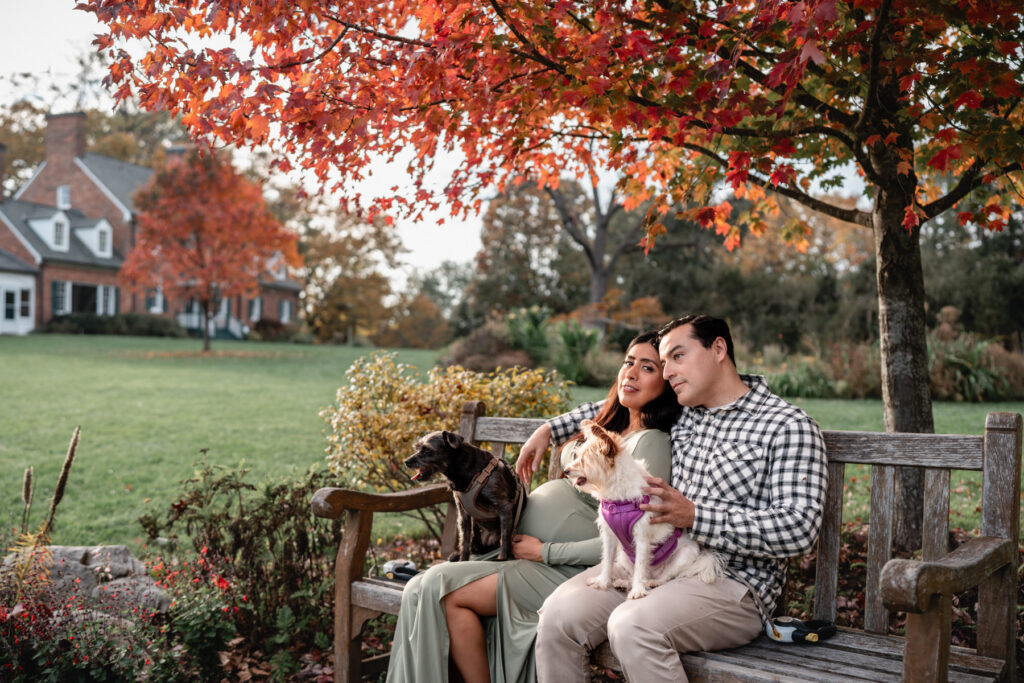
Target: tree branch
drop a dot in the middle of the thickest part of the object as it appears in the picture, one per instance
(534, 52)
(969, 182)
(571, 226)
(314, 58)
(876, 56)
(849, 215)
(380, 34)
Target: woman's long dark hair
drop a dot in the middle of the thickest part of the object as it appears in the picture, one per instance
(659, 413)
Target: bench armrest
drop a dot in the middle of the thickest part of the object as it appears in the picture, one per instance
(332, 502)
(909, 585)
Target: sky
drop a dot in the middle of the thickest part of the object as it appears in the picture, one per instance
(46, 36)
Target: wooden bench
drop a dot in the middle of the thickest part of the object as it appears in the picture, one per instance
(922, 588)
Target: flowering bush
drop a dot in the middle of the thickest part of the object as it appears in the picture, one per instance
(201, 621)
(383, 409)
(263, 563)
(51, 635)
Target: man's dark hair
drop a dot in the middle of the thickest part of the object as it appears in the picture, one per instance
(706, 330)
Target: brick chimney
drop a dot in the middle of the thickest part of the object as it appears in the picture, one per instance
(65, 136)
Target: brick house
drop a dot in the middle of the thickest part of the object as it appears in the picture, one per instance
(65, 233)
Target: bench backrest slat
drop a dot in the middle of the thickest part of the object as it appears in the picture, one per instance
(505, 429)
(826, 570)
(935, 532)
(921, 450)
(997, 596)
(883, 480)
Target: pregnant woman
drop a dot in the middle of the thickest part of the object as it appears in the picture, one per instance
(483, 613)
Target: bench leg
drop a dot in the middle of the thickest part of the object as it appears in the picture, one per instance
(926, 654)
(349, 620)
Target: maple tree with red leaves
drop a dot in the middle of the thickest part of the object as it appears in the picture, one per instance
(678, 98)
(204, 233)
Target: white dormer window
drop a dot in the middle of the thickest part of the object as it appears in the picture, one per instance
(58, 234)
(64, 197)
(102, 240)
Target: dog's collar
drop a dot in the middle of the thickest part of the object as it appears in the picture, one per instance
(622, 515)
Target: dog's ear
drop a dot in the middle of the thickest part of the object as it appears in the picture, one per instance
(452, 439)
(607, 445)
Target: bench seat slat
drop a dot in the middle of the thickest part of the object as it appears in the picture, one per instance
(961, 658)
(380, 596)
(810, 662)
(848, 656)
(855, 664)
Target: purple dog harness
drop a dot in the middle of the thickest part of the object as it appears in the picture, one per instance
(621, 515)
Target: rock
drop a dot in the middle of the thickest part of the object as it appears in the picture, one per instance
(134, 591)
(109, 575)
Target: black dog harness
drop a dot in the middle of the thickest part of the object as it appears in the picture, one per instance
(469, 496)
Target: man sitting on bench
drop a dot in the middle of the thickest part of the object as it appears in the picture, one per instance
(748, 481)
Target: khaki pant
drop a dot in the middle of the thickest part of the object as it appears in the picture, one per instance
(646, 635)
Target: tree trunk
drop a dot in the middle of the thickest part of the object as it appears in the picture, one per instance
(906, 397)
(599, 284)
(207, 308)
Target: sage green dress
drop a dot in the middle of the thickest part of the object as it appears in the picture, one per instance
(560, 516)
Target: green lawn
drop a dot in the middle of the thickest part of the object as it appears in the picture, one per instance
(148, 406)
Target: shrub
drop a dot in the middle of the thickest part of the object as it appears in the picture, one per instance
(527, 331)
(132, 324)
(202, 619)
(486, 349)
(602, 367)
(961, 369)
(856, 370)
(383, 409)
(1010, 365)
(261, 547)
(577, 344)
(805, 378)
(270, 330)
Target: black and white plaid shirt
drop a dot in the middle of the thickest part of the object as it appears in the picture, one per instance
(756, 472)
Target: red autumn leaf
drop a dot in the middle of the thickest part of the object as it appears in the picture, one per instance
(810, 51)
(970, 99)
(907, 82)
(784, 147)
(945, 157)
(910, 218)
(1004, 86)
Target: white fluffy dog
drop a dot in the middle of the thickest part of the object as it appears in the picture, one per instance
(662, 552)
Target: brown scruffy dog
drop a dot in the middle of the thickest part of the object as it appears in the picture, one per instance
(488, 495)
